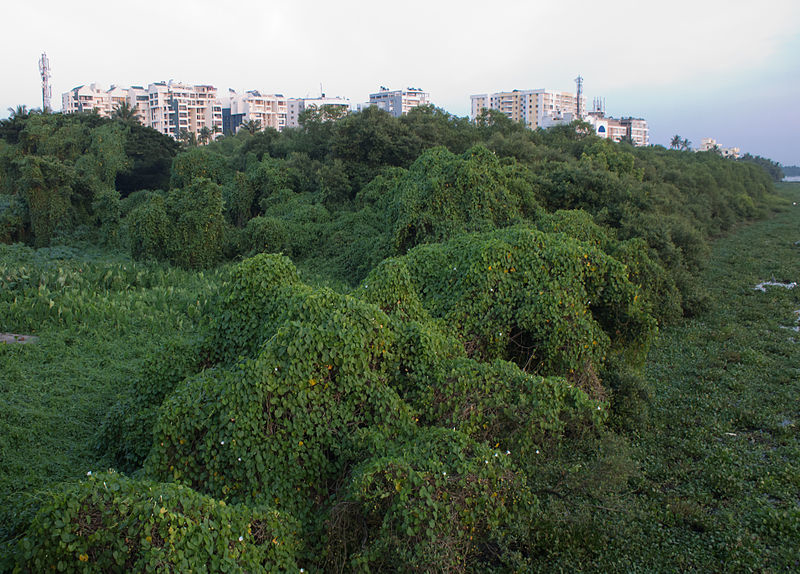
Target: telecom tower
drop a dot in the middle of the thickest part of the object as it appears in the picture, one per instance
(579, 81)
(47, 91)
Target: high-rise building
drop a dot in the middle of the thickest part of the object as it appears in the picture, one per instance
(86, 99)
(535, 108)
(169, 107)
(269, 110)
(296, 106)
(634, 130)
(176, 109)
(399, 102)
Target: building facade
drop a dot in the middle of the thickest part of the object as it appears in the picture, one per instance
(269, 110)
(710, 144)
(535, 108)
(399, 102)
(296, 106)
(171, 108)
(634, 130)
(86, 99)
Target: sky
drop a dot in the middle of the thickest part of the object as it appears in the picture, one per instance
(727, 69)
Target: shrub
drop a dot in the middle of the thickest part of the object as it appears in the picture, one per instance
(109, 523)
(271, 426)
(551, 304)
(427, 501)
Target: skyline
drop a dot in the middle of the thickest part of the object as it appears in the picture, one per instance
(721, 69)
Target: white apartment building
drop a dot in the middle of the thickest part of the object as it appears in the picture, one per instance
(633, 129)
(168, 107)
(535, 108)
(174, 107)
(87, 99)
(270, 110)
(710, 144)
(296, 106)
(399, 102)
(636, 131)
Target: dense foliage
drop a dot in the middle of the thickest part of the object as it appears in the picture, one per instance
(417, 310)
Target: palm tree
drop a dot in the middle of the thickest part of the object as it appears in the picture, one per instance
(20, 112)
(251, 126)
(187, 138)
(125, 113)
(676, 142)
(686, 144)
(204, 135)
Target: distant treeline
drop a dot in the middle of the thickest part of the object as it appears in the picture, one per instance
(340, 195)
(791, 170)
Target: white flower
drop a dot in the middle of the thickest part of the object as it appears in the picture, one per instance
(222, 442)
(508, 452)
(537, 451)
(240, 459)
(241, 538)
(444, 473)
(89, 473)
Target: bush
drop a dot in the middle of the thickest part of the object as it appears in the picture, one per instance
(429, 501)
(109, 523)
(553, 305)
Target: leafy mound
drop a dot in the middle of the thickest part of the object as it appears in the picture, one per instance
(110, 523)
(550, 303)
(427, 501)
(272, 426)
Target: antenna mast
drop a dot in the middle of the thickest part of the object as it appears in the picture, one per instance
(47, 91)
(579, 81)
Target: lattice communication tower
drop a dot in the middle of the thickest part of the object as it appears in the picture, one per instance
(579, 81)
(47, 90)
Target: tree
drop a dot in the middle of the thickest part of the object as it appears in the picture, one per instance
(675, 142)
(126, 113)
(251, 126)
(686, 145)
(323, 113)
(187, 138)
(20, 112)
(204, 136)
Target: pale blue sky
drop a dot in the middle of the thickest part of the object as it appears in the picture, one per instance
(728, 69)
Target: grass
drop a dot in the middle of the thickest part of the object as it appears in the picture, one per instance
(710, 481)
(96, 316)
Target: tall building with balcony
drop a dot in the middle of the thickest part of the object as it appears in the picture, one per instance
(86, 99)
(399, 102)
(168, 107)
(634, 130)
(296, 106)
(535, 108)
(269, 110)
(175, 109)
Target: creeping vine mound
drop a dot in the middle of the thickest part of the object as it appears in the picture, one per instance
(110, 523)
(397, 425)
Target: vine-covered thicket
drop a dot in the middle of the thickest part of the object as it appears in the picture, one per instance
(361, 416)
(497, 291)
